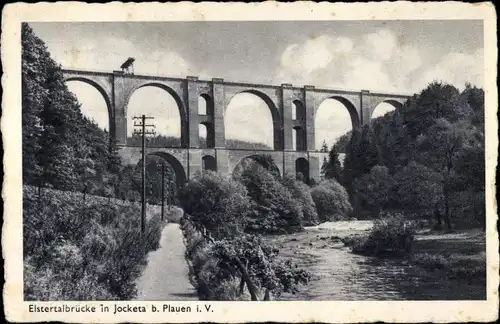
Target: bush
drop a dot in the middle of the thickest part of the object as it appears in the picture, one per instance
(275, 210)
(392, 234)
(216, 204)
(302, 194)
(331, 200)
(216, 268)
(418, 189)
(82, 250)
(372, 189)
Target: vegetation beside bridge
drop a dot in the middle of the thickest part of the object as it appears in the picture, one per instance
(424, 162)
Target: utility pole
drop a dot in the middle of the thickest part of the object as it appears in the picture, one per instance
(143, 133)
(162, 191)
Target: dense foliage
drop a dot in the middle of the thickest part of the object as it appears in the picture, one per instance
(274, 209)
(83, 250)
(391, 234)
(331, 167)
(425, 159)
(62, 149)
(77, 246)
(331, 200)
(223, 258)
(218, 206)
(372, 190)
(301, 193)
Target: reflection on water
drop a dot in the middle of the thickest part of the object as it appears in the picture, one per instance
(341, 275)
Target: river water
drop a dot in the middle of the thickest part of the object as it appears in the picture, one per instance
(339, 274)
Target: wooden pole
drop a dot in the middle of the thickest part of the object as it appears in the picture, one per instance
(143, 193)
(162, 191)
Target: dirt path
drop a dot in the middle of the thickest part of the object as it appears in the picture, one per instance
(166, 275)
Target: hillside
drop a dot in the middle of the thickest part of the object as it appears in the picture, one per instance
(172, 141)
(426, 159)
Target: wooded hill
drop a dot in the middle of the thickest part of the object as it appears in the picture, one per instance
(426, 159)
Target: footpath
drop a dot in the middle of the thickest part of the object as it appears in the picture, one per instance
(166, 275)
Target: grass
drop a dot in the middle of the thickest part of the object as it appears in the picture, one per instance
(77, 249)
(461, 254)
(457, 255)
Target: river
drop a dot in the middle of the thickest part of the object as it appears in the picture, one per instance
(339, 274)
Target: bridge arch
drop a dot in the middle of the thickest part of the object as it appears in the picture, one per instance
(299, 139)
(263, 160)
(298, 110)
(334, 116)
(385, 107)
(207, 131)
(275, 114)
(302, 167)
(209, 163)
(180, 173)
(351, 109)
(184, 127)
(205, 104)
(100, 88)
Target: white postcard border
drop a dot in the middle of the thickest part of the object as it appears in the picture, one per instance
(297, 311)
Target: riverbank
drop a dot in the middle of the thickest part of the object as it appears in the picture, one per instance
(342, 275)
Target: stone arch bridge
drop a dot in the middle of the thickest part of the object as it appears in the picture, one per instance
(117, 88)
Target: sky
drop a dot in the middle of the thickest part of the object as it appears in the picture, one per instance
(390, 56)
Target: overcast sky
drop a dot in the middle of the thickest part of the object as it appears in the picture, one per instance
(392, 56)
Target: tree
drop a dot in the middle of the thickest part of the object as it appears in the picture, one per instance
(324, 147)
(267, 162)
(61, 148)
(350, 161)
(361, 156)
(33, 99)
(436, 101)
(474, 97)
(301, 192)
(332, 169)
(390, 136)
(331, 200)
(419, 190)
(274, 208)
(440, 147)
(259, 266)
(373, 189)
(324, 166)
(468, 179)
(344, 141)
(217, 206)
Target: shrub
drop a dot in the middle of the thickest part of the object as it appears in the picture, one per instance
(274, 208)
(372, 189)
(392, 234)
(217, 268)
(418, 189)
(331, 200)
(302, 194)
(216, 204)
(82, 250)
